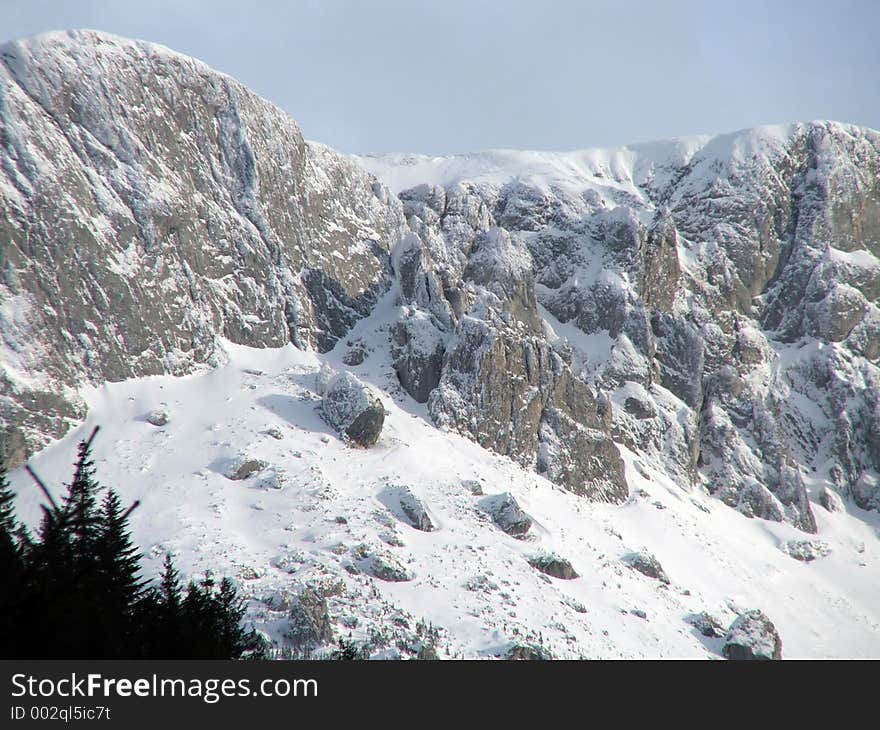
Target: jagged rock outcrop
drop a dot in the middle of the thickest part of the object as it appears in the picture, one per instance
(719, 294)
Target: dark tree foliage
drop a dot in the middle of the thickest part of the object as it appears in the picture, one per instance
(75, 590)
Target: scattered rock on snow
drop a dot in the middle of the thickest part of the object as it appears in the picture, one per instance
(380, 565)
(806, 550)
(507, 514)
(157, 417)
(272, 478)
(752, 636)
(404, 505)
(473, 486)
(553, 565)
(241, 467)
(351, 408)
(706, 624)
(528, 652)
(648, 565)
(386, 568)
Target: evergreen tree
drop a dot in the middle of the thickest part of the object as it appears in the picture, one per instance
(11, 565)
(74, 590)
(80, 506)
(120, 587)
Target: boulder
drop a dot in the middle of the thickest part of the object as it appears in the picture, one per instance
(507, 514)
(806, 550)
(380, 565)
(752, 636)
(404, 505)
(351, 408)
(473, 486)
(554, 565)
(157, 417)
(648, 565)
(528, 652)
(241, 467)
(831, 500)
(706, 624)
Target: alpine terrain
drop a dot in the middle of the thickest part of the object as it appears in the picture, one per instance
(605, 403)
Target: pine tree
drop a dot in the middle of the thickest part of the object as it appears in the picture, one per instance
(80, 506)
(11, 565)
(160, 612)
(169, 590)
(118, 559)
(74, 590)
(119, 583)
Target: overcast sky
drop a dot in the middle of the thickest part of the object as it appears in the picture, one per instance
(462, 75)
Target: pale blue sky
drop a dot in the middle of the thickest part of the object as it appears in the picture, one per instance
(459, 75)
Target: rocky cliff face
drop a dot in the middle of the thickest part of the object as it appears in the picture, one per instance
(719, 295)
(150, 207)
(711, 303)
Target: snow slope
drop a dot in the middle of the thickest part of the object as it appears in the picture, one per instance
(278, 530)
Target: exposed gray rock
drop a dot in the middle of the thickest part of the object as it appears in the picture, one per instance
(781, 232)
(752, 636)
(310, 624)
(513, 394)
(507, 514)
(831, 500)
(417, 348)
(380, 565)
(554, 566)
(192, 210)
(707, 625)
(648, 565)
(157, 417)
(406, 506)
(150, 207)
(241, 467)
(473, 486)
(806, 550)
(386, 568)
(528, 652)
(352, 408)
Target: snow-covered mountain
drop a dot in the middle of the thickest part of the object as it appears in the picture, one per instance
(558, 363)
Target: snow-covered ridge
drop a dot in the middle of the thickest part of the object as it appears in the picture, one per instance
(577, 170)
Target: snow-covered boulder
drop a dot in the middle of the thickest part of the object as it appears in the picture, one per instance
(806, 550)
(351, 408)
(528, 652)
(752, 636)
(831, 500)
(507, 514)
(648, 565)
(404, 505)
(706, 624)
(157, 417)
(243, 466)
(554, 565)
